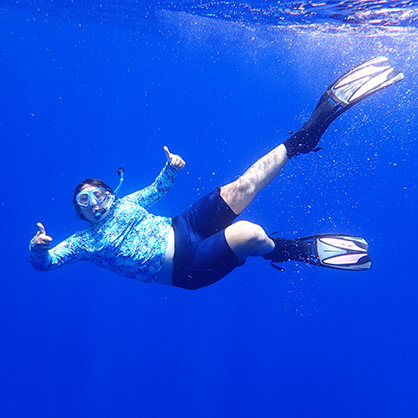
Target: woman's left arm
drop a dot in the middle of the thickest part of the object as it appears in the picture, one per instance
(174, 160)
(163, 183)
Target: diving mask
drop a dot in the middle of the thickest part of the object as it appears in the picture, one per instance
(96, 196)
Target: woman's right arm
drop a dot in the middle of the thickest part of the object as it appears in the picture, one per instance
(44, 259)
(41, 242)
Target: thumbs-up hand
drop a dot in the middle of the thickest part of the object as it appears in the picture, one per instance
(41, 242)
(175, 160)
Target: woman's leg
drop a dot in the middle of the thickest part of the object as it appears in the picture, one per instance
(245, 238)
(240, 193)
(346, 91)
(248, 240)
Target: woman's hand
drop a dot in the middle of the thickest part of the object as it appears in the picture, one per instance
(41, 242)
(175, 160)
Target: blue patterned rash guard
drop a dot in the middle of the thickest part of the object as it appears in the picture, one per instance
(129, 241)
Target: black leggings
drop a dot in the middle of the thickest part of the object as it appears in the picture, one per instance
(202, 255)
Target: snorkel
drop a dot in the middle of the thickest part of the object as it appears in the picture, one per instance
(121, 172)
(98, 215)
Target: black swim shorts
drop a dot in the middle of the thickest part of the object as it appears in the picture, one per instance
(202, 255)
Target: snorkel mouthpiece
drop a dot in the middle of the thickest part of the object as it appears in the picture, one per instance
(98, 215)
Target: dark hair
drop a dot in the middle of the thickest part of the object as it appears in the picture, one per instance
(90, 182)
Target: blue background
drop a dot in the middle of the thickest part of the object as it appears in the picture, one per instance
(81, 97)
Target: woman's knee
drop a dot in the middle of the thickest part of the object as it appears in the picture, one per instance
(248, 239)
(250, 232)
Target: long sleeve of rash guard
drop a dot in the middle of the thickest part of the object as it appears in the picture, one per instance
(158, 189)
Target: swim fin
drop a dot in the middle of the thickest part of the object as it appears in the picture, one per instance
(346, 91)
(338, 251)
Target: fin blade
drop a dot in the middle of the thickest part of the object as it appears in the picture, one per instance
(358, 75)
(353, 262)
(344, 252)
(344, 243)
(380, 82)
(364, 80)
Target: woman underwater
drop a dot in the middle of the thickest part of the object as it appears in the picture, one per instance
(203, 244)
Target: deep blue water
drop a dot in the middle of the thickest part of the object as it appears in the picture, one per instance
(88, 87)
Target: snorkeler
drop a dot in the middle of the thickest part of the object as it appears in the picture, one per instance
(204, 244)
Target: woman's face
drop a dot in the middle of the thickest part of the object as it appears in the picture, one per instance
(94, 201)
